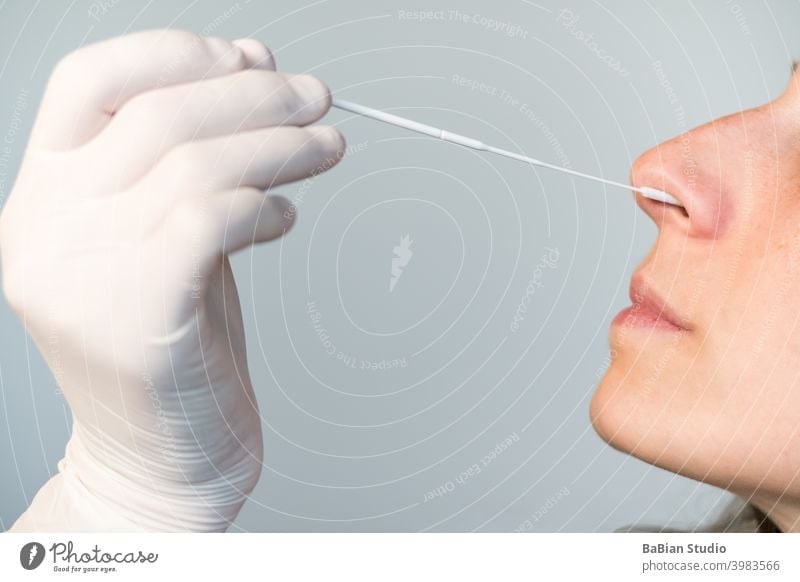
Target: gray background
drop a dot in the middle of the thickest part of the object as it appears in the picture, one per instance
(351, 449)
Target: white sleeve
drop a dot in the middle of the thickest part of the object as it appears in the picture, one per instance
(65, 503)
(89, 495)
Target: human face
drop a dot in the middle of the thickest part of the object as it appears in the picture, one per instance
(705, 373)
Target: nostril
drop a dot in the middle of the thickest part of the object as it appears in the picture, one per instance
(660, 200)
(663, 207)
(676, 208)
(660, 196)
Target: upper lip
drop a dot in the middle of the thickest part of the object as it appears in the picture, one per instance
(642, 294)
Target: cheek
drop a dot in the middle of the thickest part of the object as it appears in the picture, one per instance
(713, 208)
(754, 324)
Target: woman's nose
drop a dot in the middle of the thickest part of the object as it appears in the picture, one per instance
(689, 172)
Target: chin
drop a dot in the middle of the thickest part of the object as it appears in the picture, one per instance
(635, 402)
(612, 408)
(644, 408)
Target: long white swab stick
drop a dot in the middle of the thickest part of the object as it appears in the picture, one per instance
(469, 142)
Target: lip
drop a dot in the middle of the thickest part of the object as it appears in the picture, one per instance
(649, 310)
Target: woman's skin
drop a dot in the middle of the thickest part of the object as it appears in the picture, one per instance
(705, 379)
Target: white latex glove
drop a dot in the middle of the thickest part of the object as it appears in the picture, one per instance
(145, 168)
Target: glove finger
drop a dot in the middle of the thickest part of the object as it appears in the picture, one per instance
(90, 84)
(251, 217)
(223, 223)
(259, 159)
(156, 121)
(256, 53)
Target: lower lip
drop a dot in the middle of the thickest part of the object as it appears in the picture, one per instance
(640, 316)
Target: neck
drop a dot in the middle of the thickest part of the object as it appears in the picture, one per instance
(783, 512)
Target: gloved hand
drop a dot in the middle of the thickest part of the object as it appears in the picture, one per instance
(145, 169)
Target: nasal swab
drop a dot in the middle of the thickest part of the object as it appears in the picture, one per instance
(475, 144)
